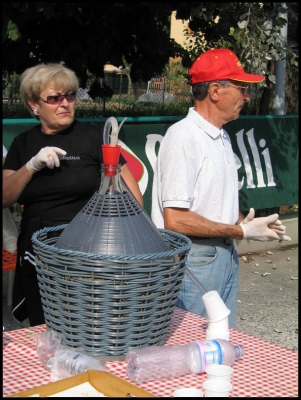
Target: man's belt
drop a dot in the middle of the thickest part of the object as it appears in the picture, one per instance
(212, 241)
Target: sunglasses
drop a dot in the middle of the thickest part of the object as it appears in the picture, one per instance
(70, 97)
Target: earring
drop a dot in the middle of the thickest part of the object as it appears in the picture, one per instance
(35, 112)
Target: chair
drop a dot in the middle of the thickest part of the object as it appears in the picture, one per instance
(9, 265)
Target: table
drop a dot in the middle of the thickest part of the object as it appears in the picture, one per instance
(266, 370)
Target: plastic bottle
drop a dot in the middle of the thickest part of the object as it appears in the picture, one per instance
(67, 363)
(161, 362)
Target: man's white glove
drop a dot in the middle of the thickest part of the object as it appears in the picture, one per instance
(277, 227)
(263, 229)
(249, 217)
(46, 157)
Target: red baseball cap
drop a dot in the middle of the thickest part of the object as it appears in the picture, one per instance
(219, 65)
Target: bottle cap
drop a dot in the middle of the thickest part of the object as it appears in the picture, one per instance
(239, 351)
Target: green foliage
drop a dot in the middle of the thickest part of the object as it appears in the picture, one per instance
(13, 31)
(86, 36)
(254, 31)
(131, 108)
(175, 71)
(102, 91)
(16, 110)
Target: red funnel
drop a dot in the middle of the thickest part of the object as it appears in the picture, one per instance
(110, 154)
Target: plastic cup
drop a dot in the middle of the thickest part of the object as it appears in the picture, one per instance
(217, 335)
(215, 307)
(218, 330)
(188, 392)
(110, 154)
(216, 388)
(222, 325)
(219, 371)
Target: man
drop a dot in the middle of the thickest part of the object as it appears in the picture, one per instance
(195, 186)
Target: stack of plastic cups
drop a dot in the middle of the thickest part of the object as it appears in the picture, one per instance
(217, 311)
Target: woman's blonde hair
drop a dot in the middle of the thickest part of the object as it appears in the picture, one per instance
(35, 79)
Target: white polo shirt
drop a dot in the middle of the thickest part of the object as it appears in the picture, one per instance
(196, 169)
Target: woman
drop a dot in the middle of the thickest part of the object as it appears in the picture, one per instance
(52, 169)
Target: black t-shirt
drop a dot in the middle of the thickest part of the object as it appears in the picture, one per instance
(60, 193)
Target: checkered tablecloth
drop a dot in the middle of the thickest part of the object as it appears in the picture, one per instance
(266, 370)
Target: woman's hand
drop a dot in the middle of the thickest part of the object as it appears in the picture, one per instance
(46, 157)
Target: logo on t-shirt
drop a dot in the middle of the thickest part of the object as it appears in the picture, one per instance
(68, 158)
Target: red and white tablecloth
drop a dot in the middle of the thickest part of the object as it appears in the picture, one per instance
(266, 370)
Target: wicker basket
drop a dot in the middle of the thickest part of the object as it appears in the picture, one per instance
(108, 304)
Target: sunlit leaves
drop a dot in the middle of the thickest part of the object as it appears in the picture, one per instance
(13, 31)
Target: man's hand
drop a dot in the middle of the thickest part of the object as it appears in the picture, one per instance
(277, 227)
(249, 217)
(46, 157)
(263, 229)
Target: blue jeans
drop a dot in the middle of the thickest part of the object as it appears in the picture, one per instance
(217, 268)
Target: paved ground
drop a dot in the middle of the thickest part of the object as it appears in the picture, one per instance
(268, 295)
(267, 299)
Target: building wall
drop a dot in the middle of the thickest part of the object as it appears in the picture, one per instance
(177, 29)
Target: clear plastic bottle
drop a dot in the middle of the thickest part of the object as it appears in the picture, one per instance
(67, 363)
(160, 362)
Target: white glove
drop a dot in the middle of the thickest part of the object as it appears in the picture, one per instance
(249, 217)
(46, 157)
(277, 227)
(263, 229)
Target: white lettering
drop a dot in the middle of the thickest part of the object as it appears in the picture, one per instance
(155, 139)
(268, 164)
(70, 158)
(246, 160)
(257, 163)
(239, 164)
